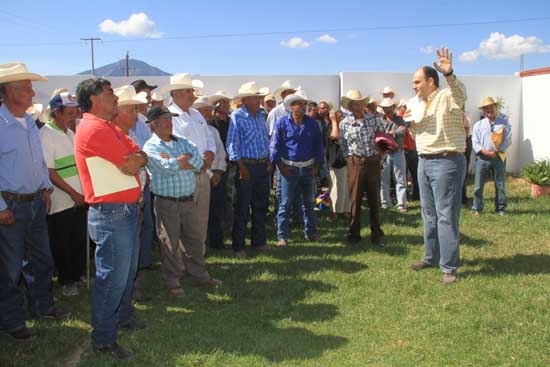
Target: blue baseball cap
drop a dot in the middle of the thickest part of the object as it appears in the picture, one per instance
(64, 99)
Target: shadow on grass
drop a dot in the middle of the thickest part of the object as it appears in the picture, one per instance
(466, 240)
(517, 265)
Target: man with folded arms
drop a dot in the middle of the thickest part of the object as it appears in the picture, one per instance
(112, 217)
(24, 203)
(173, 164)
(297, 149)
(441, 141)
(248, 149)
(357, 140)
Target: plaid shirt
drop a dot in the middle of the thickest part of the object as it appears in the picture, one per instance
(357, 138)
(167, 179)
(247, 136)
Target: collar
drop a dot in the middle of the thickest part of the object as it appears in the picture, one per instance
(9, 119)
(52, 124)
(431, 96)
(156, 139)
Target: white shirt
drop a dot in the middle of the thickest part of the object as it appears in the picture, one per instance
(273, 116)
(192, 126)
(58, 149)
(21, 121)
(219, 162)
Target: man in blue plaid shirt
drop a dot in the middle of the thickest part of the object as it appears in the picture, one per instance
(173, 163)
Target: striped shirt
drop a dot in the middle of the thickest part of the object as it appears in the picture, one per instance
(357, 136)
(247, 136)
(441, 128)
(167, 179)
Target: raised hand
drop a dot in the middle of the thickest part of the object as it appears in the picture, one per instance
(445, 61)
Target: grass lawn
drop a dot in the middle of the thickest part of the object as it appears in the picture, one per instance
(328, 304)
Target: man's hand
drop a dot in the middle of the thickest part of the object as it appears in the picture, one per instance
(208, 157)
(134, 162)
(7, 217)
(164, 155)
(270, 168)
(244, 175)
(285, 170)
(47, 200)
(445, 62)
(183, 161)
(216, 178)
(78, 199)
(489, 153)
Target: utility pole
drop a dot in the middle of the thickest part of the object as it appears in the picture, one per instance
(127, 63)
(521, 62)
(92, 39)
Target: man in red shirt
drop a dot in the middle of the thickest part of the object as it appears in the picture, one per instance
(112, 218)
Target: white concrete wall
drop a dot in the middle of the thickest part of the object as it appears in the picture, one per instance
(534, 135)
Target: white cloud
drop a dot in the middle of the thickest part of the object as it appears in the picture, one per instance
(498, 46)
(295, 42)
(138, 24)
(427, 50)
(325, 38)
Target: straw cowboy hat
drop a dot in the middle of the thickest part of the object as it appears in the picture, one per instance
(218, 96)
(387, 90)
(387, 102)
(287, 85)
(183, 81)
(15, 71)
(290, 99)
(487, 101)
(127, 96)
(352, 95)
(157, 96)
(269, 97)
(250, 89)
(201, 102)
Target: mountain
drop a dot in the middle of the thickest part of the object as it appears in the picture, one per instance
(137, 68)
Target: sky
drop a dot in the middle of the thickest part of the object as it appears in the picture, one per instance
(277, 37)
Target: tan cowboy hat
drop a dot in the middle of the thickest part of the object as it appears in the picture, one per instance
(290, 99)
(352, 95)
(387, 102)
(269, 97)
(157, 96)
(487, 101)
(16, 70)
(287, 85)
(218, 96)
(127, 96)
(201, 102)
(387, 90)
(183, 81)
(250, 89)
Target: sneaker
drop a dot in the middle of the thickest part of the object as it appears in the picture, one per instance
(112, 350)
(241, 254)
(419, 265)
(448, 278)
(70, 290)
(282, 243)
(476, 213)
(403, 210)
(132, 325)
(502, 213)
(22, 334)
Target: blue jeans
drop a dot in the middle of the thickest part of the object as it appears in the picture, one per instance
(147, 232)
(27, 239)
(440, 182)
(394, 163)
(484, 167)
(113, 228)
(252, 195)
(299, 184)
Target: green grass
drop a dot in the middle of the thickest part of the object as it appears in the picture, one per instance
(327, 304)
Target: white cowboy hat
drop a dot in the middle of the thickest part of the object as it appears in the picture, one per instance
(353, 95)
(269, 97)
(202, 102)
(290, 99)
(387, 90)
(218, 96)
(250, 89)
(487, 101)
(387, 102)
(157, 96)
(287, 85)
(183, 81)
(127, 96)
(16, 70)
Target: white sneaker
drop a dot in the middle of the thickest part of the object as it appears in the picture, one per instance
(70, 290)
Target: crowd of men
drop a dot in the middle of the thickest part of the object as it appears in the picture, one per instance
(118, 166)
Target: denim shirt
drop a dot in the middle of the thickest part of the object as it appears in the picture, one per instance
(23, 169)
(297, 143)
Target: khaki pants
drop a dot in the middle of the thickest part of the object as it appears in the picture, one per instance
(202, 199)
(182, 243)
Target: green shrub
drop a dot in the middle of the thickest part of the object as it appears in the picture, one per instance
(537, 172)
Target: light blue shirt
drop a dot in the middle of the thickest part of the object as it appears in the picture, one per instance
(483, 131)
(167, 179)
(247, 136)
(141, 132)
(23, 169)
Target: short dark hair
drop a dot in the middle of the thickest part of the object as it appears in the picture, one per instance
(312, 104)
(87, 88)
(60, 109)
(430, 72)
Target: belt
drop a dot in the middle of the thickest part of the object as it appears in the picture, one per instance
(449, 153)
(19, 197)
(298, 164)
(255, 161)
(181, 199)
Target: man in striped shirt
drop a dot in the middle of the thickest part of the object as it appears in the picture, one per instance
(441, 141)
(173, 164)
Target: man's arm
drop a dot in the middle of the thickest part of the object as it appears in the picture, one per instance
(233, 141)
(507, 138)
(444, 65)
(341, 138)
(77, 197)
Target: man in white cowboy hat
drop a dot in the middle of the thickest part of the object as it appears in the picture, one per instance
(441, 141)
(388, 92)
(112, 216)
(248, 149)
(269, 103)
(394, 162)
(191, 125)
(297, 149)
(491, 139)
(285, 89)
(67, 217)
(157, 99)
(357, 134)
(24, 202)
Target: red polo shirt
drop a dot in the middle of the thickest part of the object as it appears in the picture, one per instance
(96, 137)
